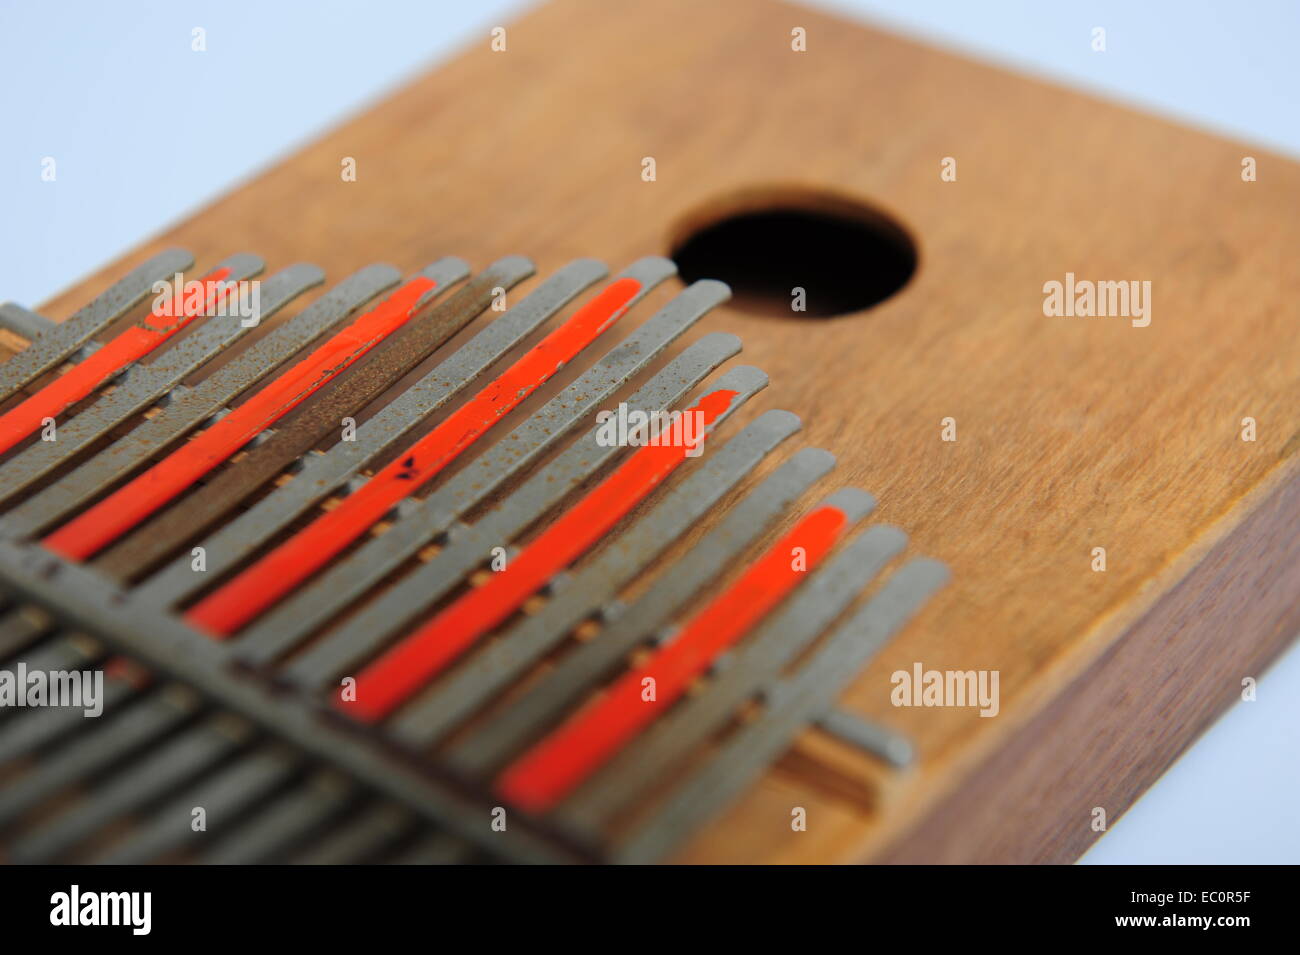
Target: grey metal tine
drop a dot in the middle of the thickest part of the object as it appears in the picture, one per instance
(358, 838)
(237, 267)
(321, 475)
(625, 628)
(497, 665)
(421, 520)
(466, 546)
(448, 271)
(61, 341)
(322, 414)
(23, 322)
(745, 381)
(239, 767)
(169, 765)
(776, 642)
(108, 743)
(445, 272)
(791, 705)
(282, 821)
(437, 848)
(36, 730)
(33, 656)
(14, 638)
(20, 628)
(146, 383)
(221, 796)
(188, 408)
(162, 644)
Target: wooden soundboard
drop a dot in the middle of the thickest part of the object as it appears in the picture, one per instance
(1072, 433)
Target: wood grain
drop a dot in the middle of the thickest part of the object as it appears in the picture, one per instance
(1073, 433)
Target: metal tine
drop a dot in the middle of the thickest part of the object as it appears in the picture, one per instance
(161, 769)
(521, 325)
(24, 322)
(497, 665)
(318, 602)
(435, 849)
(55, 346)
(22, 735)
(20, 627)
(793, 703)
(120, 355)
(286, 819)
(403, 670)
(396, 488)
(222, 797)
(145, 383)
(397, 357)
(449, 271)
(126, 507)
(47, 657)
(358, 838)
(466, 548)
(322, 474)
(192, 514)
(108, 743)
(64, 655)
(188, 408)
(625, 628)
(736, 678)
(162, 644)
(444, 272)
(879, 741)
(549, 771)
(729, 348)
(22, 630)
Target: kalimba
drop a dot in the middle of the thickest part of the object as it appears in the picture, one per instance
(368, 582)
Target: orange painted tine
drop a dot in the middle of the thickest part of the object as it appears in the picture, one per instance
(99, 526)
(557, 764)
(266, 581)
(428, 650)
(163, 322)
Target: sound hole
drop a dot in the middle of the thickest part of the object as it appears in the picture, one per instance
(844, 257)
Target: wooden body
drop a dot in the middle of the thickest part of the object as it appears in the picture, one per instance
(1072, 433)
